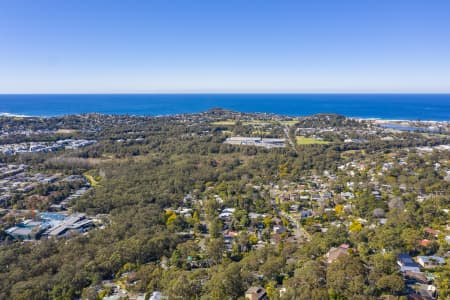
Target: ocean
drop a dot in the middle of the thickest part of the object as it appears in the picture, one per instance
(381, 106)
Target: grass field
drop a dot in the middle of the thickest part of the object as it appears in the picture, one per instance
(258, 123)
(301, 140)
(253, 122)
(224, 123)
(289, 123)
(353, 152)
(91, 179)
(66, 131)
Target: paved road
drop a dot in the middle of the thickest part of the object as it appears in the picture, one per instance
(299, 232)
(291, 142)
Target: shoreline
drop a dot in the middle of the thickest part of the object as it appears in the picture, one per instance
(387, 121)
(10, 115)
(372, 119)
(373, 107)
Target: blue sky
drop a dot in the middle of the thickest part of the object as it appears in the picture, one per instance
(95, 46)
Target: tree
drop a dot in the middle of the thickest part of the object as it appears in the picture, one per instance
(346, 277)
(382, 264)
(378, 213)
(215, 250)
(272, 291)
(392, 284)
(272, 268)
(267, 222)
(184, 285)
(339, 209)
(228, 284)
(195, 217)
(308, 282)
(252, 239)
(215, 228)
(355, 226)
(171, 216)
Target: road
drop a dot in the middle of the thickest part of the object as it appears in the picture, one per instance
(299, 232)
(291, 142)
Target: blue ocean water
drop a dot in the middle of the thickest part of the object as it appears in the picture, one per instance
(382, 106)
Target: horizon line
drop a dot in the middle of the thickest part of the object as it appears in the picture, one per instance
(233, 92)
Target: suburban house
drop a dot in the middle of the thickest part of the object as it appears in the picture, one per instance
(334, 253)
(256, 293)
(279, 229)
(430, 261)
(406, 263)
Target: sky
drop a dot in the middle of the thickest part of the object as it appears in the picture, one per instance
(183, 46)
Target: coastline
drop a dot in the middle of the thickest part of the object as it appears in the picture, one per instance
(375, 120)
(373, 107)
(6, 114)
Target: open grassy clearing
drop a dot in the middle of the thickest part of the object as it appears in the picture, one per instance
(353, 152)
(91, 180)
(289, 123)
(66, 131)
(301, 140)
(258, 122)
(224, 123)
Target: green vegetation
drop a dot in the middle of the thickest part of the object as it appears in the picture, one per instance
(224, 123)
(301, 140)
(195, 218)
(92, 181)
(289, 122)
